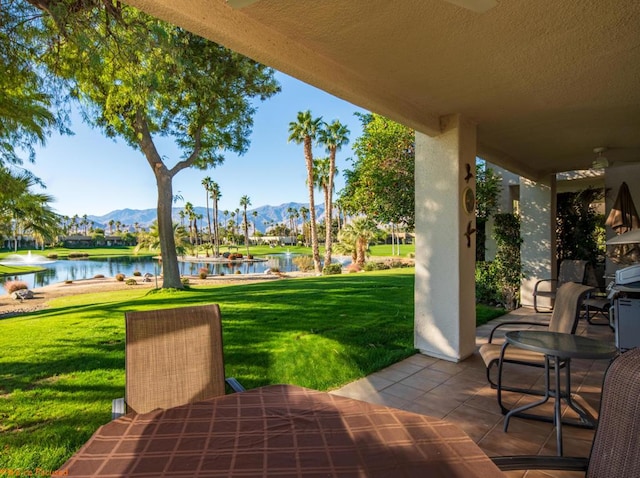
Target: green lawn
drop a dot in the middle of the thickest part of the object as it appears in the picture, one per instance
(61, 367)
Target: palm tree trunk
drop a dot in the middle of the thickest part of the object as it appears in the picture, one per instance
(216, 228)
(327, 226)
(308, 156)
(209, 222)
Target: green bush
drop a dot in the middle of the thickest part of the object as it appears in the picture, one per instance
(303, 263)
(185, 281)
(203, 273)
(332, 269)
(508, 265)
(375, 266)
(131, 281)
(487, 291)
(137, 273)
(98, 276)
(52, 256)
(77, 255)
(120, 277)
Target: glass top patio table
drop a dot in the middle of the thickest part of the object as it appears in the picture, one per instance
(280, 431)
(561, 348)
(561, 345)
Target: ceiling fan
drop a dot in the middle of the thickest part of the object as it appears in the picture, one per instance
(478, 6)
(601, 161)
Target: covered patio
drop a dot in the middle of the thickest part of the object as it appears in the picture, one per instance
(532, 87)
(459, 393)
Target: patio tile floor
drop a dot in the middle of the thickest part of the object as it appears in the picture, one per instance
(459, 392)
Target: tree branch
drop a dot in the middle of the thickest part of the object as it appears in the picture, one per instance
(186, 163)
(146, 143)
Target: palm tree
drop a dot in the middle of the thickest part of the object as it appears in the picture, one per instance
(333, 136)
(111, 223)
(215, 196)
(190, 213)
(253, 223)
(208, 184)
(151, 239)
(231, 225)
(304, 213)
(355, 237)
(321, 169)
(84, 222)
(304, 132)
(244, 202)
(292, 211)
(29, 212)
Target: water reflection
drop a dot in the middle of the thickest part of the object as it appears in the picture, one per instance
(77, 269)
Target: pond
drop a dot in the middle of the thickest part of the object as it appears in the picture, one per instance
(77, 269)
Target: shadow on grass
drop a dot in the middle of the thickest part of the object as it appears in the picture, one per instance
(62, 366)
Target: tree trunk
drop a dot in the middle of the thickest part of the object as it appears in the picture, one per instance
(246, 231)
(308, 156)
(209, 222)
(216, 228)
(170, 271)
(328, 204)
(327, 227)
(361, 251)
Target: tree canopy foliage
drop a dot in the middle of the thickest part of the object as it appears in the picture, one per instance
(381, 183)
(140, 79)
(27, 98)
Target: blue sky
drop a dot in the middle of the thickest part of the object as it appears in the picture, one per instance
(90, 174)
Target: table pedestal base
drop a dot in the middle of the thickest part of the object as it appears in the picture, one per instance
(585, 420)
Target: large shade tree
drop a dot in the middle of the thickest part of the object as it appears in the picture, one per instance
(27, 99)
(381, 183)
(140, 79)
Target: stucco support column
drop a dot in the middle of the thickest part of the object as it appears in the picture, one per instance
(445, 319)
(538, 231)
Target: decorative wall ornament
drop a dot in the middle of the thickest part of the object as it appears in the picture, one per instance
(469, 173)
(470, 230)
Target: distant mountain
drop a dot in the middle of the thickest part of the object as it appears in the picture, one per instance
(145, 217)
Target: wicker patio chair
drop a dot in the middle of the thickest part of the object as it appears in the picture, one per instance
(172, 357)
(564, 319)
(614, 452)
(570, 271)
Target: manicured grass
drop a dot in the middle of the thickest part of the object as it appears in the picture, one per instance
(384, 250)
(17, 270)
(61, 367)
(485, 313)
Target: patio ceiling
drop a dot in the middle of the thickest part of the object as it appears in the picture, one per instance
(546, 82)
